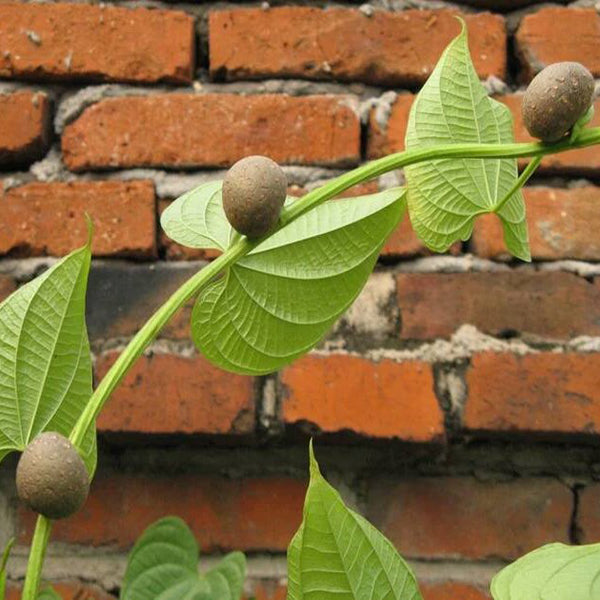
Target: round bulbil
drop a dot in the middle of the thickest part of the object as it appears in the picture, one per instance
(254, 192)
(52, 478)
(556, 99)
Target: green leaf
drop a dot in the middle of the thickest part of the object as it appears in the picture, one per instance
(552, 572)
(163, 565)
(337, 554)
(197, 218)
(45, 364)
(3, 562)
(445, 196)
(278, 302)
(48, 593)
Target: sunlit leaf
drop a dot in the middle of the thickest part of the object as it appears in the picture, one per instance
(338, 555)
(445, 196)
(552, 572)
(163, 565)
(277, 302)
(45, 364)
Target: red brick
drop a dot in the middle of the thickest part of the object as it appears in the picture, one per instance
(166, 393)
(555, 305)
(537, 393)
(186, 130)
(584, 161)
(382, 399)
(461, 517)
(269, 590)
(48, 218)
(67, 41)
(383, 140)
(562, 224)
(7, 286)
(395, 49)
(224, 514)
(24, 126)
(68, 590)
(452, 590)
(589, 513)
(557, 34)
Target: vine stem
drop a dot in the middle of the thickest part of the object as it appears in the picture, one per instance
(41, 536)
(241, 247)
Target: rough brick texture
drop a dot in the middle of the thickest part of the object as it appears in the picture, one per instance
(69, 41)
(383, 400)
(386, 48)
(553, 305)
(67, 591)
(589, 513)
(183, 130)
(175, 394)
(49, 218)
(511, 393)
(556, 34)
(562, 224)
(24, 127)
(452, 517)
(453, 590)
(225, 514)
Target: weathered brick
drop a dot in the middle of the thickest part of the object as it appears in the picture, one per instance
(49, 218)
(508, 393)
(556, 34)
(562, 224)
(268, 590)
(68, 590)
(7, 286)
(68, 41)
(382, 399)
(554, 305)
(589, 513)
(24, 126)
(186, 130)
(122, 296)
(394, 49)
(165, 393)
(452, 590)
(462, 517)
(583, 162)
(387, 137)
(260, 513)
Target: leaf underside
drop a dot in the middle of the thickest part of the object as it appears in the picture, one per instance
(163, 565)
(445, 196)
(338, 555)
(279, 301)
(552, 572)
(45, 364)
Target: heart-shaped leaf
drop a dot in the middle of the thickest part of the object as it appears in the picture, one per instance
(279, 301)
(552, 572)
(163, 565)
(45, 364)
(445, 196)
(337, 554)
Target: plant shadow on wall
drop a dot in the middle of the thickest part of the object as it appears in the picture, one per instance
(288, 270)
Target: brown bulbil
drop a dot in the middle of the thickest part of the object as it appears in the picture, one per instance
(254, 191)
(556, 98)
(52, 478)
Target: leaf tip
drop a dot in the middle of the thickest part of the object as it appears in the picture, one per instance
(314, 465)
(90, 229)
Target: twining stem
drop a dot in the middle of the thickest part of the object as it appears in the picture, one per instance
(242, 246)
(39, 544)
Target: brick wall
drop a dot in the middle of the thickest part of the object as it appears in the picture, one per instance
(457, 404)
